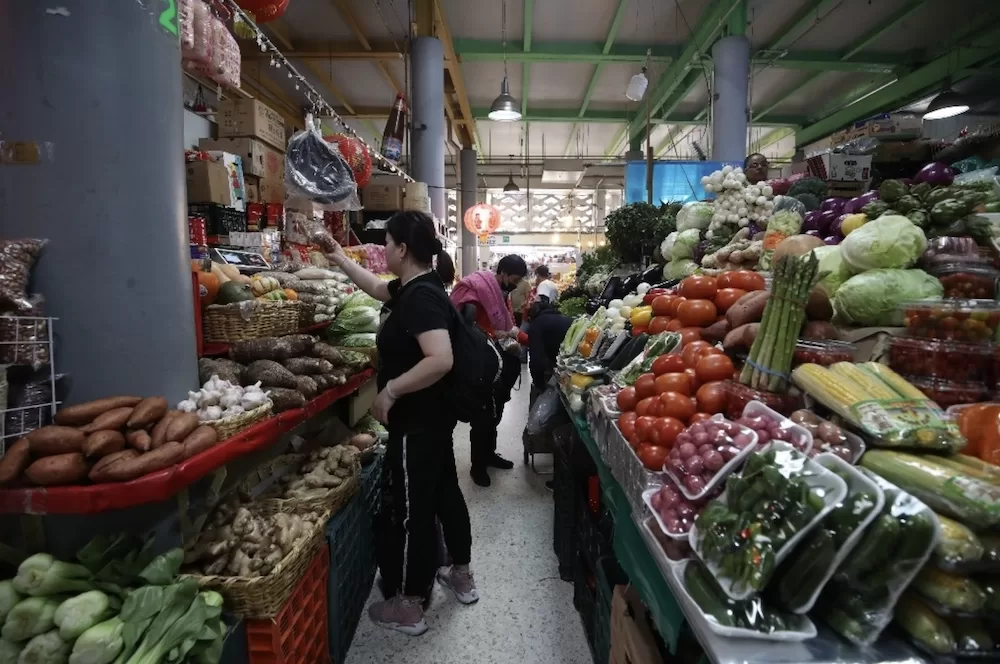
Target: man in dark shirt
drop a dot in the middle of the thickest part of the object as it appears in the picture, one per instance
(545, 334)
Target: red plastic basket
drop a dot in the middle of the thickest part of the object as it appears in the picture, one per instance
(298, 634)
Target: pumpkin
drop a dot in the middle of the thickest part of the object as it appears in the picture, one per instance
(290, 294)
(263, 285)
(231, 292)
(217, 270)
(208, 282)
(231, 272)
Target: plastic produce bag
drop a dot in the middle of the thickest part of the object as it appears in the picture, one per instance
(546, 413)
(315, 170)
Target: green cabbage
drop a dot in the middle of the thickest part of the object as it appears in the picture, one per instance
(359, 298)
(354, 321)
(832, 269)
(361, 340)
(697, 215)
(873, 297)
(685, 243)
(891, 241)
(680, 268)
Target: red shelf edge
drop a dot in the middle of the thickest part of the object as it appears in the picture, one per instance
(164, 484)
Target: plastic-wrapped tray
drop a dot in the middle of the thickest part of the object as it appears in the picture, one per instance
(804, 627)
(666, 551)
(720, 475)
(857, 482)
(831, 438)
(694, 507)
(828, 486)
(798, 436)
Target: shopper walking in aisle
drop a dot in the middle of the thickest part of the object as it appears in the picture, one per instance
(483, 297)
(545, 334)
(420, 482)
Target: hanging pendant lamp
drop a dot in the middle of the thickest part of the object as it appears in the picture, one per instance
(637, 85)
(947, 104)
(511, 185)
(505, 108)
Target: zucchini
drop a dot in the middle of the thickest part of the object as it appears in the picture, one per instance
(923, 625)
(975, 472)
(970, 635)
(844, 624)
(951, 591)
(957, 545)
(625, 355)
(991, 547)
(880, 537)
(993, 471)
(700, 587)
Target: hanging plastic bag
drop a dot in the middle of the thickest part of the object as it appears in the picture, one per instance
(315, 170)
(546, 414)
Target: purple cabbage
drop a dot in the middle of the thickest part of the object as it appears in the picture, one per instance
(753, 228)
(831, 239)
(811, 221)
(835, 204)
(826, 220)
(936, 174)
(699, 251)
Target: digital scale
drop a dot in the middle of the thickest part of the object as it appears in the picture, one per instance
(246, 262)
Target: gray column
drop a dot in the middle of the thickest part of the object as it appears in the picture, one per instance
(467, 171)
(731, 56)
(427, 134)
(99, 89)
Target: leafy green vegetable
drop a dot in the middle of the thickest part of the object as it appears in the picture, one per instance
(42, 574)
(832, 270)
(680, 269)
(892, 190)
(78, 614)
(809, 201)
(907, 204)
(891, 241)
(684, 244)
(8, 599)
(359, 299)
(354, 321)
(101, 644)
(573, 306)
(875, 209)
(598, 260)
(697, 214)
(873, 297)
(634, 229)
(178, 621)
(30, 617)
(810, 185)
(48, 648)
(361, 340)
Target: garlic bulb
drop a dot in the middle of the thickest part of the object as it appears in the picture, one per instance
(210, 397)
(188, 406)
(230, 398)
(233, 410)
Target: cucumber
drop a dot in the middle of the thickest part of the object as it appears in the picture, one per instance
(844, 519)
(844, 624)
(880, 537)
(920, 623)
(917, 535)
(705, 596)
(970, 635)
(806, 570)
(624, 355)
(957, 544)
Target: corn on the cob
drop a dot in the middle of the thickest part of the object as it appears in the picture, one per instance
(867, 386)
(896, 382)
(833, 391)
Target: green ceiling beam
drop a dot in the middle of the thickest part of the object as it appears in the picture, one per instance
(613, 146)
(572, 114)
(828, 61)
(852, 96)
(770, 138)
(470, 50)
(885, 26)
(529, 16)
(701, 39)
(911, 86)
(802, 22)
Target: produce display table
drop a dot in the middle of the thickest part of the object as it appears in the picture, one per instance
(659, 589)
(164, 484)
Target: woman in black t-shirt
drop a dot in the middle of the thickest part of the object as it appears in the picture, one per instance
(420, 482)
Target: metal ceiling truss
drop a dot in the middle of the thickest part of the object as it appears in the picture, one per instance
(571, 114)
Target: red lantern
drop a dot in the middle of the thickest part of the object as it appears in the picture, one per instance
(482, 219)
(264, 10)
(355, 154)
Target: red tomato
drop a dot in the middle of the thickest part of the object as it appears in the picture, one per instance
(697, 313)
(642, 408)
(644, 428)
(655, 408)
(727, 297)
(626, 422)
(667, 429)
(699, 417)
(674, 325)
(747, 280)
(645, 386)
(695, 383)
(677, 405)
(659, 324)
(692, 351)
(674, 382)
(711, 350)
(627, 399)
(713, 367)
(653, 456)
(636, 331)
(669, 363)
(711, 398)
(689, 335)
(674, 303)
(699, 288)
(661, 305)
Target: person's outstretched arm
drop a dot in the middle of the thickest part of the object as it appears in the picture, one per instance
(365, 280)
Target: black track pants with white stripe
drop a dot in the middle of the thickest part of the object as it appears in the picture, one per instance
(420, 484)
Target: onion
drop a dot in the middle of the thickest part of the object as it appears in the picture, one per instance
(763, 437)
(694, 465)
(721, 438)
(742, 440)
(936, 174)
(713, 461)
(657, 500)
(671, 522)
(700, 438)
(694, 484)
(684, 509)
(705, 449)
(697, 427)
(732, 428)
(687, 450)
(669, 496)
(682, 438)
(728, 452)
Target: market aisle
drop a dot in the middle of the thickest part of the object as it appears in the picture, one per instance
(526, 613)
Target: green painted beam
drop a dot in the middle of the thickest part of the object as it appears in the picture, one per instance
(911, 86)
(612, 148)
(885, 26)
(828, 61)
(702, 36)
(736, 24)
(852, 96)
(470, 50)
(529, 16)
(770, 138)
(803, 21)
(572, 114)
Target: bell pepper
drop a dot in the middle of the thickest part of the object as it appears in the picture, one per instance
(636, 331)
(852, 223)
(580, 381)
(641, 316)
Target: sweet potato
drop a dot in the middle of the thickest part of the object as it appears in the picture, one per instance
(58, 469)
(750, 334)
(131, 467)
(818, 306)
(103, 443)
(13, 463)
(113, 419)
(159, 434)
(149, 411)
(199, 440)
(139, 440)
(114, 457)
(716, 332)
(181, 425)
(748, 309)
(85, 413)
(55, 439)
(741, 337)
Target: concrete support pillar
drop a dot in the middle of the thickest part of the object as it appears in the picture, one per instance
(427, 135)
(470, 243)
(731, 56)
(102, 177)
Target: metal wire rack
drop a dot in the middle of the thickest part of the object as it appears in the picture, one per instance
(26, 341)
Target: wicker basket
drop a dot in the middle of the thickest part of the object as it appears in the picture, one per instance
(254, 319)
(263, 596)
(228, 427)
(307, 314)
(332, 500)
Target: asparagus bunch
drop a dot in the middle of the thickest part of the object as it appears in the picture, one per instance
(770, 357)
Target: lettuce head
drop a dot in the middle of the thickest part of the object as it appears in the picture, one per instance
(873, 297)
(833, 271)
(891, 241)
(684, 244)
(697, 214)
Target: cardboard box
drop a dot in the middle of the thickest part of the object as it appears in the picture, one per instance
(208, 182)
(271, 191)
(838, 166)
(259, 158)
(903, 151)
(417, 203)
(894, 126)
(632, 633)
(251, 117)
(849, 189)
(382, 197)
(252, 188)
(234, 167)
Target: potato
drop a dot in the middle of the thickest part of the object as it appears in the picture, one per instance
(149, 411)
(103, 443)
(128, 468)
(818, 307)
(85, 413)
(715, 332)
(748, 309)
(58, 469)
(112, 458)
(13, 463)
(362, 441)
(54, 439)
(112, 419)
(159, 432)
(181, 425)
(139, 440)
(199, 440)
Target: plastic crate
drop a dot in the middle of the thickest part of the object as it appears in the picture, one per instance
(298, 634)
(371, 497)
(350, 582)
(593, 535)
(609, 575)
(565, 495)
(219, 219)
(585, 598)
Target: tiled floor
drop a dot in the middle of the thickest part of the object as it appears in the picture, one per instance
(526, 613)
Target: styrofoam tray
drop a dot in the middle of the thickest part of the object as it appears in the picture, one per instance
(723, 472)
(647, 497)
(803, 439)
(857, 482)
(816, 477)
(665, 562)
(807, 630)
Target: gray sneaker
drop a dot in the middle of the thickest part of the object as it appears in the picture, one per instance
(403, 614)
(460, 583)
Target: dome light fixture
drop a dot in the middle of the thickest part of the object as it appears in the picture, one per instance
(947, 104)
(511, 185)
(504, 108)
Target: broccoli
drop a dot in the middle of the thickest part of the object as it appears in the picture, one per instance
(810, 201)
(813, 186)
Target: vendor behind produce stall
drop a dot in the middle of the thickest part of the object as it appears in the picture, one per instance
(755, 167)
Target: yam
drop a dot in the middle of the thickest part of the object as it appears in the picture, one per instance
(112, 419)
(750, 333)
(715, 332)
(13, 463)
(128, 467)
(818, 307)
(272, 348)
(69, 468)
(139, 440)
(818, 329)
(159, 434)
(285, 399)
(85, 413)
(199, 440)
(269, 374)
(149, 411)
(307, 386)
(307, 366)
(748, 309)
(181, 425)
(741, 338)
(114, 457)
(329, 353)
(55, 439)
(103, 443)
